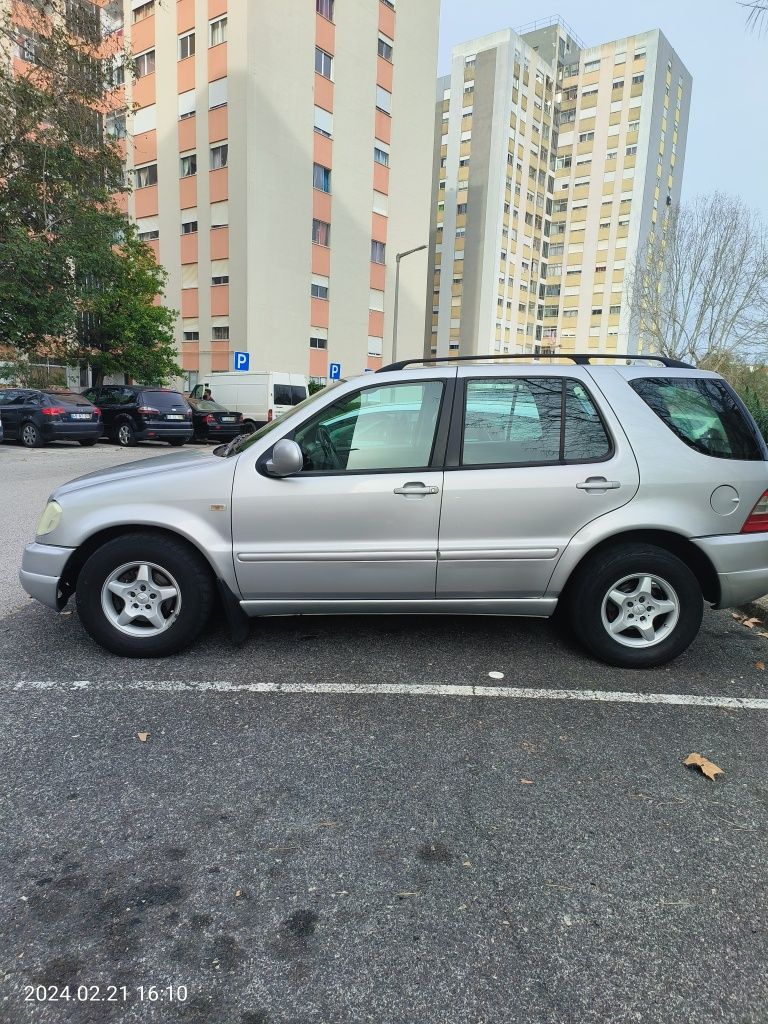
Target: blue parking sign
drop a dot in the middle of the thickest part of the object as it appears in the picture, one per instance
(242, 360)
(334, 371)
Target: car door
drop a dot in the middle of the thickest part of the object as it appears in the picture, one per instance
(360, 522)
(533, 457)
(12, 403)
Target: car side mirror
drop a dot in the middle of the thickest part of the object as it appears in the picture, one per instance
(287, 459)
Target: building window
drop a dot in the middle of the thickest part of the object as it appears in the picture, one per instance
(217, 93)
(319, 287)
(638, 79)
(323, 63)
(114, 125)
(220, 279)
(318, 343)
(378, 252)
(325, 8)
(145, 176)
(614, 310)
(383, 100)
(189, 165)
(186, 104)
(631, 150)
(321, 178)
(189, 227)
(220, 333)
(586, 136)
(321, 232)
(217, 31)
(191, 335)
(386, 47)
(219, 156)
(147, 228)
(143, 11)
(461, 208)
(186, 45)
(220, 214)
(144, 64)
(324, 122)
(591, 65)
(381, 156)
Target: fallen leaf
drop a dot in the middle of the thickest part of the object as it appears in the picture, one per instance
(527, 782)
(64, 615)
(143, 736)
(738, 616)
(238, 892)
(751, 623)
(707, 767)
(762, 633)
(760, 665)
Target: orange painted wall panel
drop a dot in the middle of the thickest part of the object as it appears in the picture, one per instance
(325, 34)
(383, 129)
(189, 248)
(218, 124)
(321, 260)
(219, 243)
(321, 205)
(375, 324)
(190, 355)
(185, 74)
(185, 15)
(144, 91)
(374, 362)
(220, 300)
(218, 185)
(217, 62)
(318, 362)
(188, 192)
(216, 8)
(323, 93)
(385, 73)
(121, 201)
(381, 178)
(323, 150)
(378, 276)
(220, 355)
(379, 227)
(319, 312)
(146, 201)
(154, 245)
(145, 147)
(143, 35)
(189, 302)
(187, 136)
(386, 20)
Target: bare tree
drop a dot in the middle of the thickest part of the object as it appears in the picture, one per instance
(758, 13)
(699, 289)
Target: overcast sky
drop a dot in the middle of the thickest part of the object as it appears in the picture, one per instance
(727, 148)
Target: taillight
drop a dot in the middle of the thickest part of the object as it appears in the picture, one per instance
(96, 412)
(147, 410)
(757, 520)
(269, 416)
(54, 410)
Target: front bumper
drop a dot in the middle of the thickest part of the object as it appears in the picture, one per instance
(741, 563)
(41, 570)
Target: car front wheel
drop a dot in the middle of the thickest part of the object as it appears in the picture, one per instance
(145, 596)
(635, 606)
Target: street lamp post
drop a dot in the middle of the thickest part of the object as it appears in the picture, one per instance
(398, 257)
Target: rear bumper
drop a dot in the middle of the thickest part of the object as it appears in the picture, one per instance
(42, 567)
(72, 431)
(741, 563)
(165, 431)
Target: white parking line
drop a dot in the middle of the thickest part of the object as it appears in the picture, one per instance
(385, 690)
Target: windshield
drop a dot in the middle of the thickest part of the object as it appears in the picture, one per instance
(239, 444)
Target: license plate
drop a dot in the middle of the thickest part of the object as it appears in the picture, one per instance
(173, 416)
(81, 415)
(228, 419)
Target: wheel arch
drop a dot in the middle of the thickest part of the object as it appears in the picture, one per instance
(674, 543)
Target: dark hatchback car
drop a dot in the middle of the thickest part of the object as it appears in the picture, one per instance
(37, 417)
(131, 414)
(214, 422)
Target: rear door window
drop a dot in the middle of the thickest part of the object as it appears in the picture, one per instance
(702, 413)
(531, 421)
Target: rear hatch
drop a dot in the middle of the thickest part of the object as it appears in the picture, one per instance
(166, 407)
(69, 407)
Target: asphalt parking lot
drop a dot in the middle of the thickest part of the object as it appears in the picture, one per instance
(350, 820)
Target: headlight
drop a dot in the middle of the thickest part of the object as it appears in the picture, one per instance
(49, 520)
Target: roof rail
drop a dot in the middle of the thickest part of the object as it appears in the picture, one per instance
(580, 358)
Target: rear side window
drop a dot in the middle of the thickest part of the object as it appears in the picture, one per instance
(163, 400)
(703, 414)
(531, 420)
(289, 394)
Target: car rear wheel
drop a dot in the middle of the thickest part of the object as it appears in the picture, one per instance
(30, 436)
(145, 596)
(125, 434)
(635, 606)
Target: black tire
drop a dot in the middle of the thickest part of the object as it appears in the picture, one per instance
(89, 442)
(30, 436)
(598, 576)
(186, 567)
(125, 435)
(177, 442)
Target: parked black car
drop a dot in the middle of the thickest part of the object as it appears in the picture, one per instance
(214, 422)
(37, 417)
(131, 413)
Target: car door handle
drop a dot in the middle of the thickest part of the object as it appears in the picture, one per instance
(416, 489)
(598, 483)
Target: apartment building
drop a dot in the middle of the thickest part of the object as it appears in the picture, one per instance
(552, 164)
(280, 156)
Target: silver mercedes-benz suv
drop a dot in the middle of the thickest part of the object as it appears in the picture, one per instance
(625, 493)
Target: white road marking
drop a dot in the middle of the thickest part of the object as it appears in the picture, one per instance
(385, 690)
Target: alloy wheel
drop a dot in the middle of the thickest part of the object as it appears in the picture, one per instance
(141, 599)
(640, 610)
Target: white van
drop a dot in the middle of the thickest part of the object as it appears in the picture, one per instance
(260, 397)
